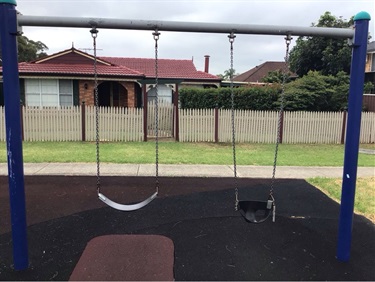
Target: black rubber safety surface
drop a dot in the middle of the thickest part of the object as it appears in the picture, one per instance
(211, 240)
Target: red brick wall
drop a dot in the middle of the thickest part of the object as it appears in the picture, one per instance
(130, 99)
(87, 95)
(369, 102)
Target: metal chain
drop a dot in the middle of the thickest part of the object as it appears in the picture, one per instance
(156, 38)
(231, 41)
(94, 34)
(288, 40)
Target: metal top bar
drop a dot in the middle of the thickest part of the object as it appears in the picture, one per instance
(183, 26)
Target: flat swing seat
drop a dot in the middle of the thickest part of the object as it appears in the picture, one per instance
(256, 211)
(124, 207)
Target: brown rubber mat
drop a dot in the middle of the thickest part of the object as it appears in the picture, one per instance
(126, 258)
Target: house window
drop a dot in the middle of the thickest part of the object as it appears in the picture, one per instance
(164, 93)
(48, 92)
(66, 92)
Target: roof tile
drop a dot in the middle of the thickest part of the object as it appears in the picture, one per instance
(82, 69)
(128, 67)
(259, 72)
(167, 68)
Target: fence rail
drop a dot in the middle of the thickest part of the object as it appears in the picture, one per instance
(313, 127)
(165, 121)
(250, 126)
(195, 125)
(49, 124)
(115, 124)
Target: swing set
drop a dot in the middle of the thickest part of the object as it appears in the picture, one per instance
(252, 210)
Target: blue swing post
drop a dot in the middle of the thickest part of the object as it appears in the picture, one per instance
(357, 77)
(8, 33)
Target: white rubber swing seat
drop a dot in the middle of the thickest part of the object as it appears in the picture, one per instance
(124, 207)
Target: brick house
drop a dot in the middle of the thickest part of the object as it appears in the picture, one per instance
(370, 63)
(66, 78)
(256, 74)
(369, 98)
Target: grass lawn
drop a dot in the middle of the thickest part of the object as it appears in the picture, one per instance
(213, 153)
(188, 153)
(364, 196)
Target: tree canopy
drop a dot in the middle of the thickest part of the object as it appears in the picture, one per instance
(227, 74)
(29, 50)
(318, 92)
(276, 76)
(327, 55)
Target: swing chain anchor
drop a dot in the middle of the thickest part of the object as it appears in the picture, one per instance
(288, 39)
(231, 37)
(94, 32)
(156, 34)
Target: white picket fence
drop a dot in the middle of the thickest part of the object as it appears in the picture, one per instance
(2, 124)
(368, 128)
(195, 125)
(261, 126)
(250, 126)
(51, 124)
(312, 127)
(115, 124)
(165, 114)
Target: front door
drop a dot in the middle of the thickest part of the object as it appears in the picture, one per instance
(112, 94)
(165, 112)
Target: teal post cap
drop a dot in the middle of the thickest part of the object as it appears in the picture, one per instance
(362, 16)
(8, 2)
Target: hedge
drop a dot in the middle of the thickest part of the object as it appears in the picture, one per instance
(245, 98)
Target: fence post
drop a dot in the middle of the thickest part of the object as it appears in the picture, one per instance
(22, 129)
(216, 118)
(176, 115)
(145, 106)
(343, 129)
(281, 127)
(83, 121)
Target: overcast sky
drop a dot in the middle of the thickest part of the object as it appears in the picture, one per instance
(249, 50)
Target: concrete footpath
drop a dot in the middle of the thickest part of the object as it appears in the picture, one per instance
(88, 169)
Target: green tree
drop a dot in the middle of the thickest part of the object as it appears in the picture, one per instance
(340, 85)
(327, 55)
(29, 50)
(276, 76)
(227, 74)
(317, 92)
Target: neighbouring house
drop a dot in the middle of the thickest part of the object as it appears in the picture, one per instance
(66, 78)
(370, 63)
(256, 75)
(369, 98)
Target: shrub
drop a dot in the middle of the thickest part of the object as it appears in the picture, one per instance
(245, 98)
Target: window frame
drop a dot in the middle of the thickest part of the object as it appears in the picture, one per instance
(38, 90)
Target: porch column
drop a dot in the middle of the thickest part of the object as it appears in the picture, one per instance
(176, 116)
